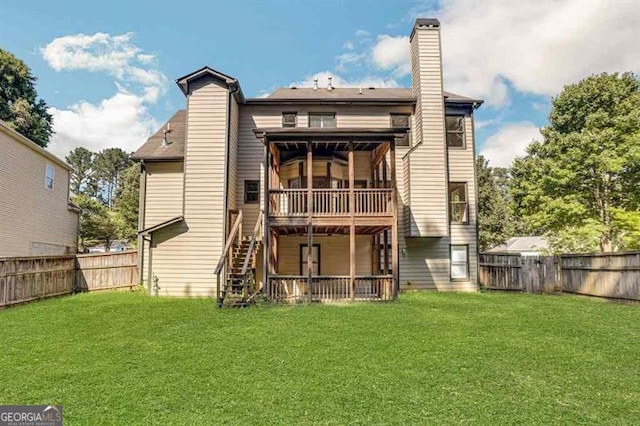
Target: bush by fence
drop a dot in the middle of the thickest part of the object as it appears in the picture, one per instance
(23, 279)
(611, 275)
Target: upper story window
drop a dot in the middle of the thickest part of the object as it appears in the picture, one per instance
(322, 120)
(458, 202)
(455, 131)
(402, 120)
(289, 119)
(49, 175)
(251, 191)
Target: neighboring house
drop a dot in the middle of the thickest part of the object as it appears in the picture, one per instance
(116, 246)
(368, 190)
(36, 216)
(526, 246)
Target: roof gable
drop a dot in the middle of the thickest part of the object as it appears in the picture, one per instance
(231, 82)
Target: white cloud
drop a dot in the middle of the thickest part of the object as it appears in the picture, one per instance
(121, 120)
(392, 53)
(509, 142)
(535, 46)
(339, 81)
(348, 45)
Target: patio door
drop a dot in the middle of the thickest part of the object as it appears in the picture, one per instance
(315, 253)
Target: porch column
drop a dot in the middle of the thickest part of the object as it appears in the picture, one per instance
(309, 219)
(385, 236)
(266, 235)
(352, 226)
(394, 226)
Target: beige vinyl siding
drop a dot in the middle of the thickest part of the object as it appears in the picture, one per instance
(164, 192)
(232, 184)
(184, 256)
(34, 220)
(163, 199)
(334, 254)
(427, 164)
(462, 169)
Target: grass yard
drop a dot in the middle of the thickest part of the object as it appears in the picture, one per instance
(127, 358)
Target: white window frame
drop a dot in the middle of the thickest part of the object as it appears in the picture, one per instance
(323, 116)
(455, 205)
(49, 178)
(465, 249)
(461, 132)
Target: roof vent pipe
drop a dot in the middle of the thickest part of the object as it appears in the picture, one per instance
(315, 84)
(165, 142)
(330, 86)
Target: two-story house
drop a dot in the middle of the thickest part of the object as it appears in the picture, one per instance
(36, 216)
(314, 193)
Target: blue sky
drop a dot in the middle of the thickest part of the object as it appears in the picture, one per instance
(107, 69)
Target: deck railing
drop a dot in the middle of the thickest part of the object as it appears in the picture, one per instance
(327, 288)
(330, 202)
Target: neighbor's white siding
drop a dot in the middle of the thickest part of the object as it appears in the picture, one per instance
(34, 220)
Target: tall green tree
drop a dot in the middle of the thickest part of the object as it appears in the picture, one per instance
(81, 159)
(19, 103)
(580, 185)
(108, 164)
(98, 224)
(126, 202)
(495, 219)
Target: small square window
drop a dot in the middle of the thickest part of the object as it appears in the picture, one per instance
(455, 131)
(322, 120)
(289, 119)
(251, 191)
(402, 121)
(458, 202)
(459, 263)
(49, 176)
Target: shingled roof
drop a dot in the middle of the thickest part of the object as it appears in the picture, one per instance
(153, 149)
(351, 94)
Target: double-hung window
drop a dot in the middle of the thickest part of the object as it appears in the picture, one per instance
(49, 176)
(322, 120)
(459, 262)
(251, 191)
(458, 205)
(455, 131)
(402, 121)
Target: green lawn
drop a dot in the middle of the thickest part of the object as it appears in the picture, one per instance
(127, 358)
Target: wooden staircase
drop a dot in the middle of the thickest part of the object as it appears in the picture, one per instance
(238, 286)
(238, 260)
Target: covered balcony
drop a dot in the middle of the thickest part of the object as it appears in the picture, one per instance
(334, 190)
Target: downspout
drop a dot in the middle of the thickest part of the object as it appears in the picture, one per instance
(233, 88)
(142, 201)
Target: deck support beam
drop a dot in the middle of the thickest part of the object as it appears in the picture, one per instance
(266, 234)
(394, 228)
(352, 225)
(309, 220)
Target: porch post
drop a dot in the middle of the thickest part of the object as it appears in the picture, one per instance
(309, 219)
(352, 227)
(394, 226)
(266, 235)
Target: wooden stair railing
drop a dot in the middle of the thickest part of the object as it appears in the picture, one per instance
(249, 276)
(231, 238)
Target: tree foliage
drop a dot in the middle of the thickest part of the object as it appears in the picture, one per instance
(98, 224)
(126, 202)
(580, 185)
(19, 103)
(81, 159)
(495, 219)
(108, 164)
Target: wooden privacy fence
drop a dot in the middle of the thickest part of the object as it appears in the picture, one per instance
(610, 275)
(23, 279)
